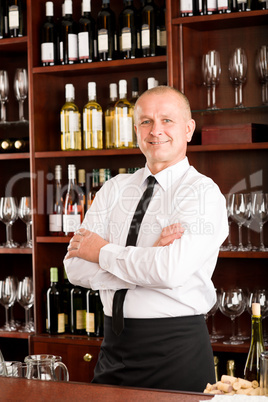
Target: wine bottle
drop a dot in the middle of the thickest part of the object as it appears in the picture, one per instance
(148, 29)
(209, 7)
(98, 178)
(241, 5)
(55, 218)
(224, 6)
(216, 367)
(78, 311)
(123, 119)
(134, 97)
(94, 313)
(86, 34)
(71, 138)
(128, 31)
(186, 8)
(230, 367)
(4, 26)
(82, 190)
(109, 117)
(21, 144)
(252, 367)
(161, 33)
(107, 38)
(92, 120)
(55, 313)
(69, 52)
(151, 82)
(66, 299)
(72, 214)
(49, 38)
(15, 18)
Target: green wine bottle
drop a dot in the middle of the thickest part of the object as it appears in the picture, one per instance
(252, 367)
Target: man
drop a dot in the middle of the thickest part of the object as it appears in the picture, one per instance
(165, 342)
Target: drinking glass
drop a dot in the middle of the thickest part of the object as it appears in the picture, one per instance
(229, 246)
(25, 297)
(262, 70)
(232, 304)
(10, 369)
(8, 215)
(4, 91)
(21, 89)
(238, 74)
(214, 335)
(211, 69)
(260, 296)
(25, 214)
(259, 210)
(7, 299)
(240, 209)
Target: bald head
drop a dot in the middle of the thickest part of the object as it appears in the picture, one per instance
(183, 101)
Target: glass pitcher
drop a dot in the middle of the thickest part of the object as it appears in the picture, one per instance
(58, 371)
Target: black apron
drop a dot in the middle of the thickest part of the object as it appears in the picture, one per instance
(163, 353)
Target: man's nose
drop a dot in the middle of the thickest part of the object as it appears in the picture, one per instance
(156, 129)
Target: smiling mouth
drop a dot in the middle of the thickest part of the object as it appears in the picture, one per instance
(158, 142)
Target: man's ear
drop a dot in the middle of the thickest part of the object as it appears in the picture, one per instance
(190, 127)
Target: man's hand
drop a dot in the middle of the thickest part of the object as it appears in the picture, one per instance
(169, 234)
(86, 245)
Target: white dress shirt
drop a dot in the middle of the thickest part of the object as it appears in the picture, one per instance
(168, 281)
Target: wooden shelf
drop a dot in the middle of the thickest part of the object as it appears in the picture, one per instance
(8, 156)
(14, 334)
(97, 152)
(11, 45)
(227, 147)
(223, 21)
(243, 254)
(53, 239)
(18, 250)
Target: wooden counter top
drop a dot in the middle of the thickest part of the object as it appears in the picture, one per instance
(19, 389)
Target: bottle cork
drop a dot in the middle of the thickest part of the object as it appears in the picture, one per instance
(256, 309)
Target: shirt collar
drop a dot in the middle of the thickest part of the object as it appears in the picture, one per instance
(168, 176)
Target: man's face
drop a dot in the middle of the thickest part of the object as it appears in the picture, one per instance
(163, 129)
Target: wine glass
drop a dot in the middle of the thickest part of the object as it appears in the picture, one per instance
(8, 215)
(240, 209)
(232, 304)
(25, 214)
(4, 91)
(7, 299)
(262, 70)
(259, 210)
(260, 296)
(229, 246)
(211, 69)
(25, 297)
(238, 73)
(214, 335)
(21, 89)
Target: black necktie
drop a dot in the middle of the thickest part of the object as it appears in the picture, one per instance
(119, 296)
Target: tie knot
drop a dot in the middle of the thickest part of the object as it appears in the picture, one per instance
(151, 180)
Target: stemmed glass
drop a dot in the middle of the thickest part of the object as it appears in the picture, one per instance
(8, 215)
(260, 296)
(4, 91)
(21, 89)
(7, 299)
(262, 70)
(232, 304)
(259, 210)
(229, 246)
(25, 297)
(238, 73)
(240, 209)
(211, 69)
(25, 214)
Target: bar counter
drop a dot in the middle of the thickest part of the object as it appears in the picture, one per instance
(20, 389)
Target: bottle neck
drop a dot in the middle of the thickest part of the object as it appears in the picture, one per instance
(256, 329)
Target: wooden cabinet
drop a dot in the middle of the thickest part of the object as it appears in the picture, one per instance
(240, 167)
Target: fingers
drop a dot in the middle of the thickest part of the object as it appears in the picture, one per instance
(172, 229)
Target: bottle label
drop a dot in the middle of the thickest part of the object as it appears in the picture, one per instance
(96, 121)
(125, 39)
(61, 323)
(61, 51)
(145, 36)
(69, 122)
(186, 6)
(13, 17)
(103, 40)
(90, 322)
(71, 223)
(55, 223)
(212, 5)
(83, 45)
(80, 319)
(222, 4)
(72, 47)
(163, 38)
(125, 129)
(47, 52)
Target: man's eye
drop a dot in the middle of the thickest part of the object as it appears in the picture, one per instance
(145, 122)
(167, 120)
